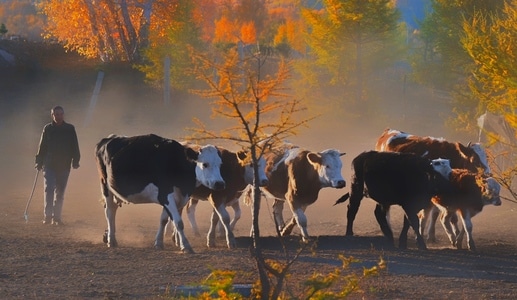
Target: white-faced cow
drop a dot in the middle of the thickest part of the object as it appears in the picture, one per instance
(152, 169)
(394, 179)
(470, 192)
(471, 157)
(296, 176)
(237, 172)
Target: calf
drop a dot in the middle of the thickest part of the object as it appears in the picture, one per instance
(237, 172)
(296, 176)
(471, 157)
(392, 178)
(152, 169)
(470, 192)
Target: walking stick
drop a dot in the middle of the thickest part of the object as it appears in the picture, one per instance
(26, 214)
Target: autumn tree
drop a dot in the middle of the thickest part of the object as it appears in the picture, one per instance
(21, 18)
(260, 112)
(171, 39)
(347, 36)
(490, 39)
(106, 29)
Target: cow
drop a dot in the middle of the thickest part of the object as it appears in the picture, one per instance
(296, 176)
(392, 178)
(471, 157)
(237, 172)
(153, 169)
(470, 193)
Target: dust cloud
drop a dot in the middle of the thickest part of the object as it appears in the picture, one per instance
(126, 107)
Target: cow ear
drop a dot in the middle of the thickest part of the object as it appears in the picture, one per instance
(191, 154)
(314, 158)
(241, 155)
(461, 150)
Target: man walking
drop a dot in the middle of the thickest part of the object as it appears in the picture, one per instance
(58, 151)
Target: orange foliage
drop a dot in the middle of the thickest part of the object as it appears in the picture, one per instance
(248, 33)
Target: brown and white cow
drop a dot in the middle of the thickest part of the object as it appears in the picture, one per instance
(471, 157)
(237, 172)
(152, 169)
(470, 193)
(296, 176)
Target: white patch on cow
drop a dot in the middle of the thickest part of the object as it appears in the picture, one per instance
(394, 134)
(148, 195)
(249, 173)
(440, 139)
(480, 152)
(329, 170)
(492, 191)
(208, 167)
(442, 166)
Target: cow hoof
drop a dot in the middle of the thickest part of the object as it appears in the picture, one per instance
(158, 246)
(112, 244)
(187, 250)
(232, 244)
(210, 244)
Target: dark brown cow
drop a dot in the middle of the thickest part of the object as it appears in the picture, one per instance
(470, 193)
(296, 176)
(471, 157)
(395, 179)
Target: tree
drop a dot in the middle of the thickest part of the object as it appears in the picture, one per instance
(107, 29)
(347, 34)
(3, 30)
(260, 113)
(490, 40)
(172, 39)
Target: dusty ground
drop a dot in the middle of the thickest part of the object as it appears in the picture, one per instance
(71, 262)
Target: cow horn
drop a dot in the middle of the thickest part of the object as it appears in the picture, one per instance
(342, 153)
(468, 145)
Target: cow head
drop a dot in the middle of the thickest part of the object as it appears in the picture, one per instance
(249, 173)
(442, 167)
(475, 156)
(480, 157)
(208, 168)
(491, 189)
(328, 165)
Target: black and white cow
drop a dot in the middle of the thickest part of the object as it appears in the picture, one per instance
(471, 157)
(296, 176)
(237, 172)
(152, 169)
(470, 193)
(392, 178)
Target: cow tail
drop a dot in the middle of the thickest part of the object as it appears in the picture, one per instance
(357, 180)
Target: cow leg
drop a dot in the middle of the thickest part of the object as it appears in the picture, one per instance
(224, 219)
(299, 218)
(467, 227)
(412, 218)
(110, 212)
(237, 213)
(431, 231)
(210, 239)
(164, 220)
(177, 199)
(356, 195)
(191, 213)
(446, 223)
(278, 208)
(403, 234)
(380, 215)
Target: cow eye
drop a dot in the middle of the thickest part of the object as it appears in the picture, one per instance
(205, 165)
(436, 163)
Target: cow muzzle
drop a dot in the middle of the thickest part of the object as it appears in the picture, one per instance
(218, 185)
(339, 184)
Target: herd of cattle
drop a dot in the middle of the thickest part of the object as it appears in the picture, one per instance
(427, 177)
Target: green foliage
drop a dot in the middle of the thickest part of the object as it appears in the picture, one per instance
(3, 29)
(181, 35)
(349, 41)
(338, 284)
